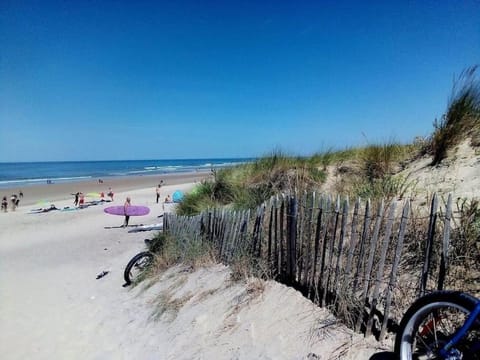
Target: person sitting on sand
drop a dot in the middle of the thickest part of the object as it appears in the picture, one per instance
(52, 207)
(167, 200)
(125, 207)
(4, 204)
(81, 199)
(110, 193)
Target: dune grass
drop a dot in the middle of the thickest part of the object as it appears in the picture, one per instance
(248, 185)
(171, 251)
(462, 118)
(368, 171)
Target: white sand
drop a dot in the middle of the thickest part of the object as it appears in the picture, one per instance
(459, 174)
(52, 306)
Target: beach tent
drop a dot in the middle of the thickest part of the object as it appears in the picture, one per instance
(177, 196)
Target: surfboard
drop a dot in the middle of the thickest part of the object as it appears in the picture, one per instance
(132, 210)
(150, 227)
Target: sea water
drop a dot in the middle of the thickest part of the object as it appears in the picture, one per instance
(30, 173)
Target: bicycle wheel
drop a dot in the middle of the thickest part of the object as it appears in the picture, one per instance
(137, 266)
(431, 322)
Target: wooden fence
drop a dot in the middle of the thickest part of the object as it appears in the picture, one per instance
(366, 262)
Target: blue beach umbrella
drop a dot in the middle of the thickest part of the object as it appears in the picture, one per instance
(177, 196)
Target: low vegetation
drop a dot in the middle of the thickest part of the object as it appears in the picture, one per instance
(462, 118)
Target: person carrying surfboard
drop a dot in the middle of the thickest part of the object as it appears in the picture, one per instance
(125, 207)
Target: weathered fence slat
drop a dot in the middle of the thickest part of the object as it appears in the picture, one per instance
(380, 269)
(318, 232)
(361, 256)
(429, 245)
(366, 283)
(321, 276)
(277, 246)
(303, 278)
(445, 243)
(343, 230)
(393, 273)
(353, 243)
(292, 238)
(282, 262)
(270, 235)
(332, 247)
(301, 237)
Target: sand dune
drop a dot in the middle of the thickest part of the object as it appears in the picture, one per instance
(53, 307)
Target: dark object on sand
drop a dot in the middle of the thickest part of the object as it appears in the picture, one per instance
(102, 274)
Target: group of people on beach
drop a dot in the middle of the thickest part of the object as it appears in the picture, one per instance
(79, 197)
(14, 201)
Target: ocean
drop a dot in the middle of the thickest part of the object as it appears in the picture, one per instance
(31, 173)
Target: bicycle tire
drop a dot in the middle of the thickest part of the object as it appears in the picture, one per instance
(139, 263)
(430, 338)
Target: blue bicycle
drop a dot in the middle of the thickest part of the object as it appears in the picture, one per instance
(440, 325)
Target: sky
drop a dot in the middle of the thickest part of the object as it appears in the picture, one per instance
(118, 80)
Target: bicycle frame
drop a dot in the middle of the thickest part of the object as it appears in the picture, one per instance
(445, 351)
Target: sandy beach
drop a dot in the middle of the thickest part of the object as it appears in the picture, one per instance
(53, 307)
(62, 191)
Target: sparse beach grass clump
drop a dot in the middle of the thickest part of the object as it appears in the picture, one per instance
(248, 185)
(170, 251)
(465, 246)
(462, 119)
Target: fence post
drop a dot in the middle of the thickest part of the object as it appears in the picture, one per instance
(445, 244)
(343, 230)
(301, 237)
(318, 231)
(429, 244)
(393, 273)
(303, 278)
(282, 260)
(277, 247)
(291, 238)
(373, 245)
(381, 265)
(270, 237)
(332, 247)
(366, 225)
(321, 277)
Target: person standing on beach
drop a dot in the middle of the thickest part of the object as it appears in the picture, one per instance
(158, 192)
(14, 202)
(4, 204)
(125, 208)
(75, 201)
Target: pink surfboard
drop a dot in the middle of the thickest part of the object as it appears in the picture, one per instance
(132, 210)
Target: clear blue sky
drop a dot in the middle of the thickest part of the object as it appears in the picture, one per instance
(92, 80)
